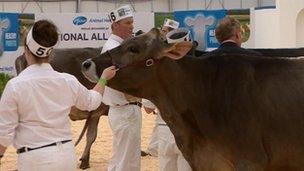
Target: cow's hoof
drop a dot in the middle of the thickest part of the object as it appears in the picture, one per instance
(144, 153)
(84, 164)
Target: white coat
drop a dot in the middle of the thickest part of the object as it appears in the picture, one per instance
(125, 122)
(170, 157)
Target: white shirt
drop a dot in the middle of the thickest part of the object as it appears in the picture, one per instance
(113, 97)
(112, 42)
(34, 107)
(229, 40)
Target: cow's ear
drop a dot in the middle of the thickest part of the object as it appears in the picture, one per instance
(177, 50)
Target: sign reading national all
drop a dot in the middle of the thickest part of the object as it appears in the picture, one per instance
(80, 30)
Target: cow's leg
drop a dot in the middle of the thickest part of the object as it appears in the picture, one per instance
(91, 137)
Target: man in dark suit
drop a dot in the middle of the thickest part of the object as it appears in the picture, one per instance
(229, 35)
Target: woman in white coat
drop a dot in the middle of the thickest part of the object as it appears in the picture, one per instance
(35, 105)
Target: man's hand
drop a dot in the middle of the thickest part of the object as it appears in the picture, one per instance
(109, 73)
(150, 110)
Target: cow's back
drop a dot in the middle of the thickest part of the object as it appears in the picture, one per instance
(257, 109)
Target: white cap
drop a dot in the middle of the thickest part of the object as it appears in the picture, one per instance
(121, 13)
(184, 32)
(36, 48)
(171, 23)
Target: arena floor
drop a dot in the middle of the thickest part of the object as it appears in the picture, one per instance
(101, 150)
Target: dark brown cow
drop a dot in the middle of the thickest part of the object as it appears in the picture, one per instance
(227, 113)
(69, 61)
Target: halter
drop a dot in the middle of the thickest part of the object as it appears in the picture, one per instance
(143, 63)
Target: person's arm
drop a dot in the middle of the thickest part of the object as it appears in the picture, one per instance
(106, 75)
(90, 99)
(8, 117)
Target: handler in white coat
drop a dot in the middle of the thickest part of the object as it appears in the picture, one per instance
(170, 157)
(125, 111)
(152, 148)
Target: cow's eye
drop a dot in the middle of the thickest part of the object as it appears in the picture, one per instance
(133, 49)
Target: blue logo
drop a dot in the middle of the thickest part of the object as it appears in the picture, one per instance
(79, 20)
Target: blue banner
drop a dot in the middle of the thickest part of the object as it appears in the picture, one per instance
(202, 24)
(9, 32)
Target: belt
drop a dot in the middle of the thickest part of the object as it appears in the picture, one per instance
(26, 149)
(135, 103)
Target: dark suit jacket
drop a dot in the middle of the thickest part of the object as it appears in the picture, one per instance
(232, 48)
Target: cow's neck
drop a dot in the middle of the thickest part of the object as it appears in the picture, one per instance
(177, 93)
(179, 83)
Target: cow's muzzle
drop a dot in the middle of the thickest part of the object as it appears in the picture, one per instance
(88, 69)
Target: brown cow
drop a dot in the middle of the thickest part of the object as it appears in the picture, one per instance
(69, 61)
(227, 113)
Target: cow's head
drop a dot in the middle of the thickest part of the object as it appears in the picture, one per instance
(137, 59)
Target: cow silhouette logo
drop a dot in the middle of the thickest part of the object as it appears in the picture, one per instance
(200, 24)
(4, 25)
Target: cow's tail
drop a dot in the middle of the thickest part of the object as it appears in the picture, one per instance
(85, 127)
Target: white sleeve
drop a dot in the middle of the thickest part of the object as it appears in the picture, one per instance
(8, 115)
(85, 99)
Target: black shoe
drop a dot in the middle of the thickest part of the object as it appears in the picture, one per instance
(143, 153)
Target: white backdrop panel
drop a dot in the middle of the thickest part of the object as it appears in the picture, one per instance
(90, 29)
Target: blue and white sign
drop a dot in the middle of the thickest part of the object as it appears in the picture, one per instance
(9, 32)
(77, 30)
(202, 24)
(80, 30)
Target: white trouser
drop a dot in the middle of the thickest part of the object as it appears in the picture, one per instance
(170, 157)
(125, 122)
(153, 144)
(61, 157)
